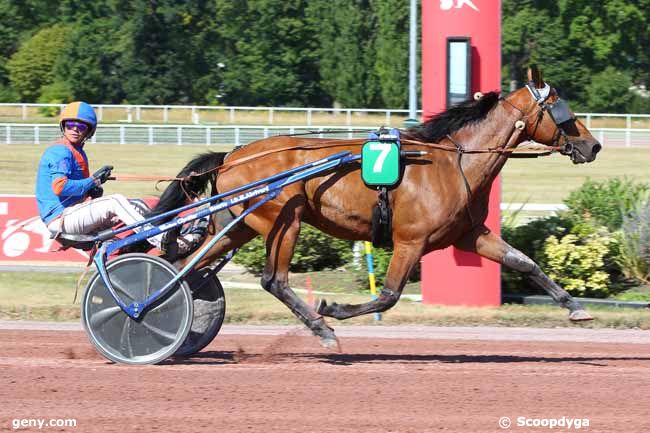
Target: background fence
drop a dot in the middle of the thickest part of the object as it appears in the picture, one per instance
(215, 115)
(17, 133)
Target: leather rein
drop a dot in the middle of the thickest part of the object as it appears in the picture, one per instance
(505, 149)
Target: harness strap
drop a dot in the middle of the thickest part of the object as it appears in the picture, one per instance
(382, 221)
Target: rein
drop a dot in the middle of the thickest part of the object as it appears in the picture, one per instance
(530, 152)
(506, 149)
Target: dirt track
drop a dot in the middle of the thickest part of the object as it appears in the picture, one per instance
(284, 382)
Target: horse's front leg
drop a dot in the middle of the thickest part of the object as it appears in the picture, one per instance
(491, 246)
(405, 257)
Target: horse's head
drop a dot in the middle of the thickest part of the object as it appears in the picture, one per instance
(549, 120)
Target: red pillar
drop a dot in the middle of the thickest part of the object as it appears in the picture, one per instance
(451, 276)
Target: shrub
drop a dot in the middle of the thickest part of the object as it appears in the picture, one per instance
(578, 263)
(606, 203)
(32, 66)
(564, 231)
(55, 93)
(381, 260)
(529, 238)
(314, 251)
(8, 94)
(634, 255)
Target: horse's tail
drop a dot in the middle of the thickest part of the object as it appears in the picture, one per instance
(198, 174)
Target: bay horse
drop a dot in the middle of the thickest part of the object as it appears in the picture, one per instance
(442, 199)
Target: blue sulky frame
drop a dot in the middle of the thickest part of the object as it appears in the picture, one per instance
(270, 186)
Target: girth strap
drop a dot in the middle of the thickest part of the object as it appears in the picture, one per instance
(382, 221)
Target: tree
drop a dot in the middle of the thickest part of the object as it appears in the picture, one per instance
(33, 65)
(346, 51)
(270, 53)
(609, 91)
(90, 67)
(574, 39)
(19, 19)
(392, 48)
(156, 55)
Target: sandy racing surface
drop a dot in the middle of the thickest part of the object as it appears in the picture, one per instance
(277, 379)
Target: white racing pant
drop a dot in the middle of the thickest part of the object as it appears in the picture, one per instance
(99, 214)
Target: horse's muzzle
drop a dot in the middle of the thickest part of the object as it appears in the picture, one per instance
(581, 152)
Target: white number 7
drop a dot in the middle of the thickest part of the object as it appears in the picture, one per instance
(384, 148)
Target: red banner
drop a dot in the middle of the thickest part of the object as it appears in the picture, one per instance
(24, 237)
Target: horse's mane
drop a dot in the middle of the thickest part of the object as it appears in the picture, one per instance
(202, 170)
(447, 122)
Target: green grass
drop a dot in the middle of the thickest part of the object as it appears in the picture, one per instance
(19, 164)
(47, 296)
(542, 180)
(551, 179)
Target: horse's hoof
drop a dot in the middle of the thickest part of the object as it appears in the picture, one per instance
(331, 343)
(580, 316)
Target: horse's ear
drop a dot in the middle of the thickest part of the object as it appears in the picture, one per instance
(535, 75)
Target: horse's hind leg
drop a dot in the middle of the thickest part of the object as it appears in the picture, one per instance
(491, 246)
(405, 257)
(280, 243)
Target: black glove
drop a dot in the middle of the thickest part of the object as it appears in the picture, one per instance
(103, 173)
(96, 192)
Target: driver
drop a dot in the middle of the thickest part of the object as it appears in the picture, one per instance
(71, 201)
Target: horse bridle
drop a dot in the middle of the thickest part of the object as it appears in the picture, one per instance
(560, 115)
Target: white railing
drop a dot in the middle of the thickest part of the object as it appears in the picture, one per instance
(223, 115)
(23, 133)
(204, 114)
(17, 133)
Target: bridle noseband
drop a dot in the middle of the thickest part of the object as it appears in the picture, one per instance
(559, 113)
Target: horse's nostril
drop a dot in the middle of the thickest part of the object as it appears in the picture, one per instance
(597, 148)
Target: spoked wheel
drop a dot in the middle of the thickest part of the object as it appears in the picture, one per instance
(209, 311)
(161, 329)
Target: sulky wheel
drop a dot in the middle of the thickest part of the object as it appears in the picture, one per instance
(209, 311)
(155, 335)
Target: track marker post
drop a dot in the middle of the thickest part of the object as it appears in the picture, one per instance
(371, 275)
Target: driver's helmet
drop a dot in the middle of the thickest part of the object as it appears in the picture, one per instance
(82, 112)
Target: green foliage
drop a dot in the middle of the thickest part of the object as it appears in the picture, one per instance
(581, 45)
(314, 251)
(352, 53)
(392, 59)
(603, 237)
(634, 256)
(33, 65)
(578, 264)
(274, 60)
(55, 93)
(529, 239)
(608, 91)
(89, 68)
(634, 296)
(606, 203)
(346, 51)
(380, 260)
(639, 105)
(8, 94)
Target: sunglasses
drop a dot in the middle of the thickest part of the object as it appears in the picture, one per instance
(71, 124)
